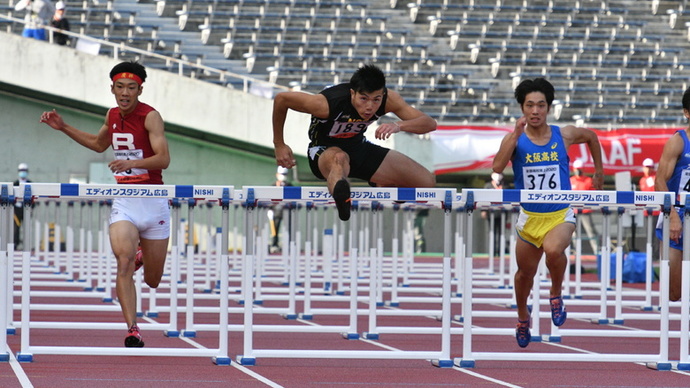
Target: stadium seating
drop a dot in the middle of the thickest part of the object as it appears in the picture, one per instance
(611, 61)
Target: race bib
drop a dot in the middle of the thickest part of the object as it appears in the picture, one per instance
(134, 175)
(544, 177)
(347, 129)
(684, 185)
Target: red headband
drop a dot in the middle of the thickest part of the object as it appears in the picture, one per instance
(131, 76)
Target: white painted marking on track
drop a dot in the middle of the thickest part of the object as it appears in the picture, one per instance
(387, 347)
(19, 371)
(487, 378)
(234, 364)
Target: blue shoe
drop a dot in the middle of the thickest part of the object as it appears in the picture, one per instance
(558, 313)
(522, 333)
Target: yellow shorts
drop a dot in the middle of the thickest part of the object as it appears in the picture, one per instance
(532, 227)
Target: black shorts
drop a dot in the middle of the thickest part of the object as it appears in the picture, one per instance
(365, 159)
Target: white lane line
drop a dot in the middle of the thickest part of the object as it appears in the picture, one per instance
(18, 370)
(238, 366)
(234, 364)
(487, 378)
(463, 370)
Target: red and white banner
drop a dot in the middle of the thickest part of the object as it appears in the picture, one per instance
(465, 148)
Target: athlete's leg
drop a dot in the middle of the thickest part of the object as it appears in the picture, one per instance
(155, 252)
(124, 238)
(555, 243)
(334, 165)
(675, 260)
(399, 170)
(528, 257)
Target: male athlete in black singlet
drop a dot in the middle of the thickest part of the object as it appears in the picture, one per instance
(338, 149)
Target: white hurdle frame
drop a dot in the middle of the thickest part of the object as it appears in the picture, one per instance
(6, 252)
(223, 194)
(475, 197)
(251, 195)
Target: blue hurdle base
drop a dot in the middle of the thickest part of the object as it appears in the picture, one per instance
(442, 363)
(246, 360)
(459, 362)
(107, 300)
(661, 366)
(307, 317)
(11, 331)
(370, 336)
(4, 357)
(188, 333)
(25, 357)
(683, 366)
(290, 316)
(554, 338)
(221, 361)
(171, 333)
(393, 304)
(152, 314)
(350, 336)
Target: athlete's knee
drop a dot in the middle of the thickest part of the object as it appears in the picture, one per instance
(152, 281)
(125, 266)
(674, 291)
(341, 158)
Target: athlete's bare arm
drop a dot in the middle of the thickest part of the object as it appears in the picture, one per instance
(412, 120)
(313, 104)
(98, 142)
(508, 146)
(577, 135)
(669, 157)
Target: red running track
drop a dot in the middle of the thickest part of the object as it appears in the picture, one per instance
(124, 371)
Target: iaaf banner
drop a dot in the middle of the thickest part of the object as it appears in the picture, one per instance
(465, 148)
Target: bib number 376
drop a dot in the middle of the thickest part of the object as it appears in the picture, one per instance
(541, 178)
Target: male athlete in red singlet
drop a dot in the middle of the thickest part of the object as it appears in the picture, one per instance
(136, 133)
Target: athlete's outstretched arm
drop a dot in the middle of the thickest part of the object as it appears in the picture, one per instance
(412, 120)
(313, 104)
(99, 142)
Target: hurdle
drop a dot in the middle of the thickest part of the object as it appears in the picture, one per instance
(477, 198)
(222, 194)
(319, 195)
(6, 251)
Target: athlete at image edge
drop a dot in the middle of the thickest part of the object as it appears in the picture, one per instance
(672, 175)
(127, 79)
(334, 154)
(535, 98)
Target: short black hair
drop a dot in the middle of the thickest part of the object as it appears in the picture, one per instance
(129, 67)
(367, 79)
(537, 85)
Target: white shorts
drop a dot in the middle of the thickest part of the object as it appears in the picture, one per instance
(151, 216)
